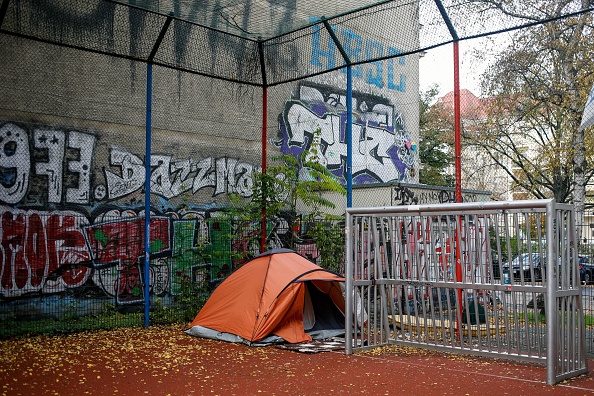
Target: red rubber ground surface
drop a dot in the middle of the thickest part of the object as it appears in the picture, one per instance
(166, 361)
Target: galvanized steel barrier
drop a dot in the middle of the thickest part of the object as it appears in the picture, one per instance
(435, 276)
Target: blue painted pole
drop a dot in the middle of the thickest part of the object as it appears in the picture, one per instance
(349, 135)
(349, 105)
(147, 192)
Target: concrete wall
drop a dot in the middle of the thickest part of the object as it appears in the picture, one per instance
(72, 154)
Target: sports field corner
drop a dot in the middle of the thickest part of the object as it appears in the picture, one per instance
(165, 361)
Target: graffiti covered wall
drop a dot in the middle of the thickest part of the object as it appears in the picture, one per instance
(73, 165)
(383, 149)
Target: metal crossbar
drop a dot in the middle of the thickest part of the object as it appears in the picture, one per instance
(492, 279)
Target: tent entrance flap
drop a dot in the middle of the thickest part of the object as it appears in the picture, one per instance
(327, 315)
(309, 316)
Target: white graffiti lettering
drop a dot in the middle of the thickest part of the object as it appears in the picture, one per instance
(131, 176)
(245, 180)
(160, 181)
(204, 178)
(52, 145)
(371, 143)
(85, 145)
(15, 163)
(170, 178)
(180, 171)
(382, 150)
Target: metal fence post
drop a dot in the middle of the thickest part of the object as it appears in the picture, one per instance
(551, 291)
(147, 194)
(348, 275)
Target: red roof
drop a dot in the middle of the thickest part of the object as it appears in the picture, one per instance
(471, 107)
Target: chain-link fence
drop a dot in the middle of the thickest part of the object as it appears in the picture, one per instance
(102, 102)
(586, 266)
(93, 274)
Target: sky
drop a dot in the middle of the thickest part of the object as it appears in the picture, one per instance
(437, 67)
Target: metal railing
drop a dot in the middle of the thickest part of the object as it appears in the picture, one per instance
(492, 279)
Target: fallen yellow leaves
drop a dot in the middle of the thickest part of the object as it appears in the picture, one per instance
(152, 361)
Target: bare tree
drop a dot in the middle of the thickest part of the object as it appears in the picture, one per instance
(538, 86)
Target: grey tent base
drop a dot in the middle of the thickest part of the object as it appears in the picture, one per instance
(204, 332)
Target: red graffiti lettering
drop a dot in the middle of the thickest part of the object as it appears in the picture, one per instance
(129, 285)
(14, 269)
(123, 240)
(35, 245)
(35, 251)
(66, 245)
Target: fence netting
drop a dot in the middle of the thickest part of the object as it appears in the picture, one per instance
(233, 87)
(234, 41)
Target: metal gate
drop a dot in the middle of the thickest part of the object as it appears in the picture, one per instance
(496, 279)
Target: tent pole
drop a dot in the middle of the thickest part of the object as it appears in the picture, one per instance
(147, 191)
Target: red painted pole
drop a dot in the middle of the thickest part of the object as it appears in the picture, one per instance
(458, 176)
(457, 137)
(264, 149)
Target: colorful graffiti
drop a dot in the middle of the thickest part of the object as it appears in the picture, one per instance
(382, 148)
(43, 253)
(117, 249)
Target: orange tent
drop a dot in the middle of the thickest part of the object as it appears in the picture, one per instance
(277, 296)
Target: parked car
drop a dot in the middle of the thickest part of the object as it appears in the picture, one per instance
(522, 263)
(586, 270)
